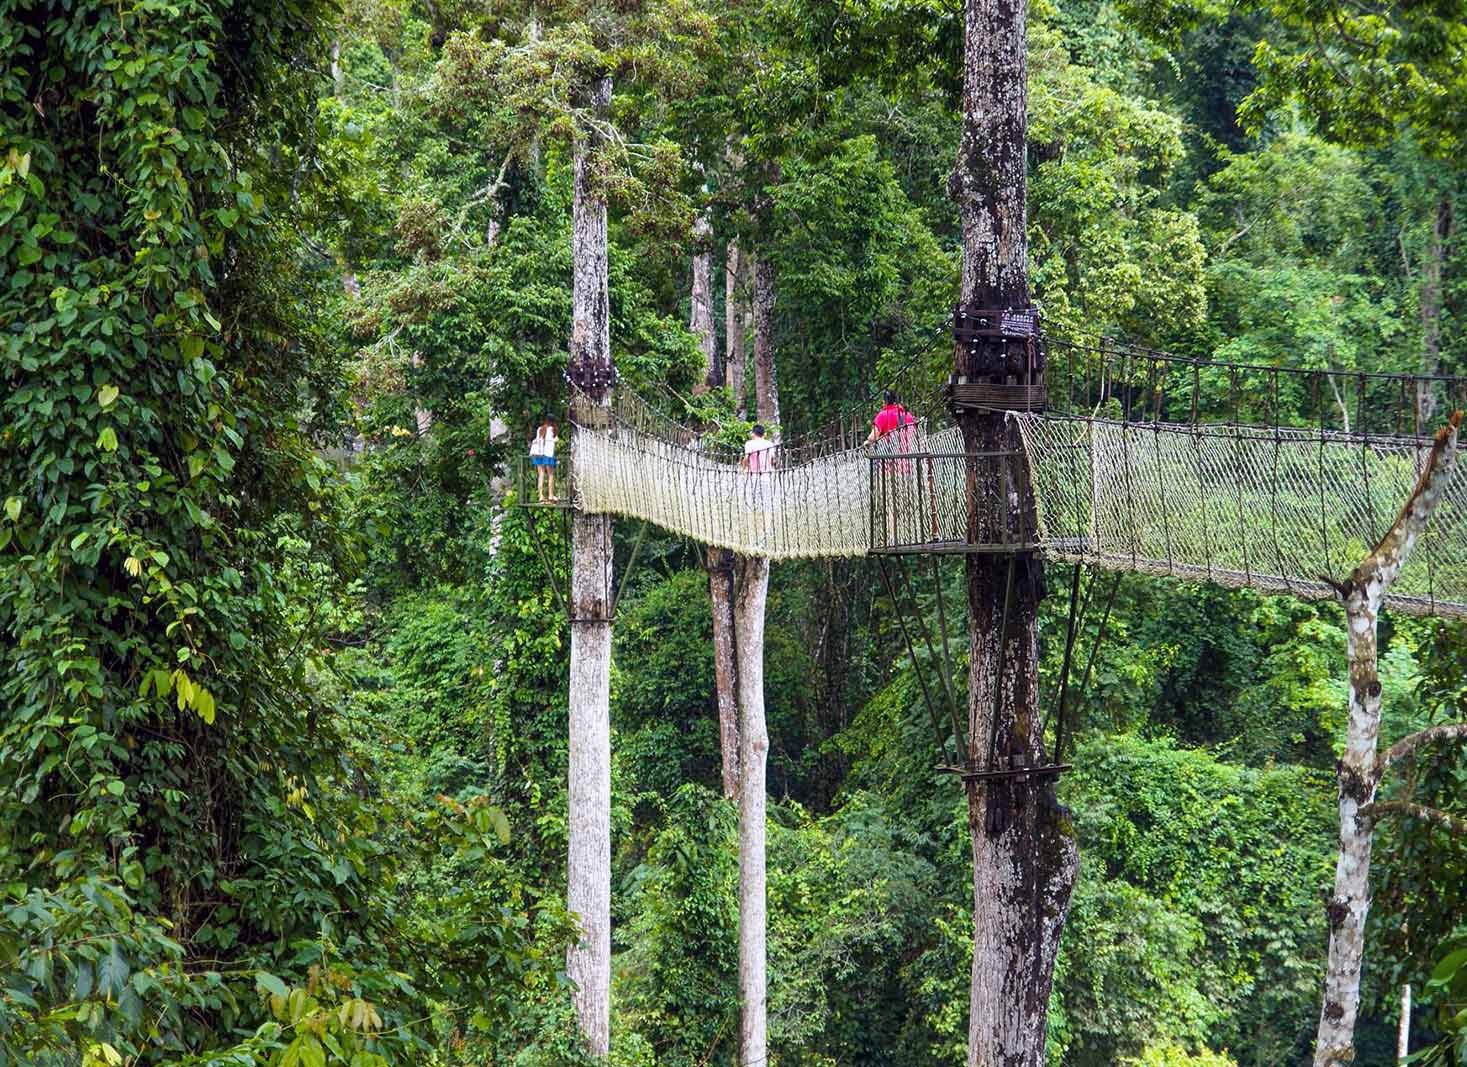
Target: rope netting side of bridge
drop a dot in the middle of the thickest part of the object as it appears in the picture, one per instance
(1272, 509)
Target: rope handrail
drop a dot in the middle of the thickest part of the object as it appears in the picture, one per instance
(1112, 344)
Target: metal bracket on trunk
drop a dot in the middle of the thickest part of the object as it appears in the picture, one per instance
(1001, 363)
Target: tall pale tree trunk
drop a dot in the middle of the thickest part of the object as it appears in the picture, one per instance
(735, 355)
(1403, 1028)
(749, 603)
(750, 596)
(1024, 852)
(1359, 768)
(588, 894)
(1430, 301)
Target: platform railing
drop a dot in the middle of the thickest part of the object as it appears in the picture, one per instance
(526, 483)
(922, 502)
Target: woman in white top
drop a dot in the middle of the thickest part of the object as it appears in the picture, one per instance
(542, 456)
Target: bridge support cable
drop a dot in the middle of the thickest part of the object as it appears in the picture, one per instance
(937, 731)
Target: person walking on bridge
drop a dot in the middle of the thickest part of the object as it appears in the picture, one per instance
(758, 461)
(891, 418)
(894, 431)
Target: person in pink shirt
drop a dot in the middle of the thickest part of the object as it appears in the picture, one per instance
(891, 418)
(758, 452)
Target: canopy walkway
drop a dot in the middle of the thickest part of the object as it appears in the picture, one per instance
(1257, 477)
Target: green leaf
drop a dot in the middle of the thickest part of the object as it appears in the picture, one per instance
(204, 704)
(107, 396)
(112, 972)
(312, 1054)
(1449, 965)
(501, 825)
(133, 875)
(12, 508)
(107, 439)
(116, 787)
(268, 983)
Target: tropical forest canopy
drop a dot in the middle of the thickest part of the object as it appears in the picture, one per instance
(285, 288)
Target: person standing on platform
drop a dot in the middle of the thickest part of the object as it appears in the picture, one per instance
(542, 457)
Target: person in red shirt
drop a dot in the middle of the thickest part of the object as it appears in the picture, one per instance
(890, 418)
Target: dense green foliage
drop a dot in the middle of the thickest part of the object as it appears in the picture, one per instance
(282, 747)
(193, 864)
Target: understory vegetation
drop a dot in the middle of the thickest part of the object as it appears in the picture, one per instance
(285, 287)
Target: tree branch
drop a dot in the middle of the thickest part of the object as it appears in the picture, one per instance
(1406, 746)
(1451, 823)
(1385, 561)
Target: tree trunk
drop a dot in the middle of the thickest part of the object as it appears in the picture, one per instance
(735, 356)
(766, 387)
(1430, 301)
(750, 596)
(588, 895)
(1024, 852)
(1403, 1030)
(701, 319)
(1359, 769)
(753, 590)
(725, 663)
(719, 561)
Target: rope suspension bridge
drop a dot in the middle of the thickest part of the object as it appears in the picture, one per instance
(1269, 478)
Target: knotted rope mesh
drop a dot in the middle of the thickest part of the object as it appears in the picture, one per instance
(1275, 509)
(816, 501)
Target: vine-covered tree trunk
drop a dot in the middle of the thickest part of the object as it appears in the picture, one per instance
(735, 354)
(753, 591)
(1024, 851)
(1359, 768)
(720, 562)
(588, 894)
